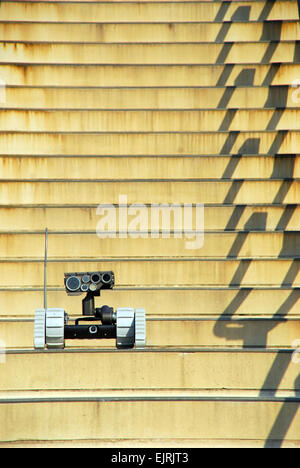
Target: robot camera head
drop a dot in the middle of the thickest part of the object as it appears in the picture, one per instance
(79, 283)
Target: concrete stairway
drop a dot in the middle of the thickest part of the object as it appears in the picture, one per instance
(164, 102)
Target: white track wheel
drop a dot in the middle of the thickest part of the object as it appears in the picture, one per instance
(140, 328)
(125, 327)
(55, 323)
(40, 329)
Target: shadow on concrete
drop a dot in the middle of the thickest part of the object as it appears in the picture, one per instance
(287, 411)
(241, 328)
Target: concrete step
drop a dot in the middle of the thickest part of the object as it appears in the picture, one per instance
(165, 302)
(254, 120)
(173, 241)
(154, 419)
(163, 53)
(224, 332)
(151, 168)
(49, 98)
(152, 12)
(70, 421)
(150, 75)
(74, 219)
(223, 320)
(149, 143)
(238, 192)
(158, 272)
(150, 32)
(165, 369)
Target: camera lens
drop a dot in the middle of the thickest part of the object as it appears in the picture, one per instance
(73, 283)
(106, 278)
(86, 278)
(84, 287)
(95, 278)
(93, 329)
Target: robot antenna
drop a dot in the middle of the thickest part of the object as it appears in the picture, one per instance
(45, 269)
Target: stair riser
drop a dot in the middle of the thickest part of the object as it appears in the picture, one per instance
(156, 12)
(85, 219)
(150, 54)
(150, 121)
(149, 75)
(144, 32)
(150, 370)
(164, 302)
(222, 245)
(223, 333)
(249, 273)
(147, 98)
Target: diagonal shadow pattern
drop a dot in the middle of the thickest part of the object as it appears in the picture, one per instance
(283, 169)
(289, 408)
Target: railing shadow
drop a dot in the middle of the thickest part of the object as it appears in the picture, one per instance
(224, 325)
(241, 329)
(231, 328)
(228, 326)
(287, 411)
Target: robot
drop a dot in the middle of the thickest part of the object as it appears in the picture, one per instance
(52, 327)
